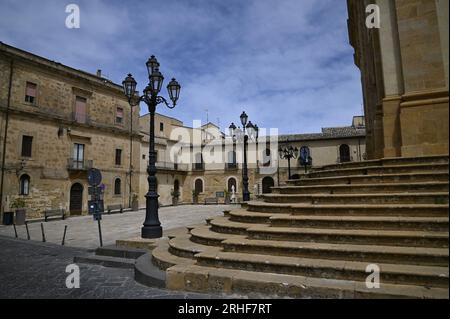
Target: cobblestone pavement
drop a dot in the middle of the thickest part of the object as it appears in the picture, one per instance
(83, 231)
(30, 269)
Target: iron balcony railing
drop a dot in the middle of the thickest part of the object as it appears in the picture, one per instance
(79, 165)
(198, 166)
(231, 166)
(171, 166)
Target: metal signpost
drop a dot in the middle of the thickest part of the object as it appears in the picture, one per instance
(96, 203)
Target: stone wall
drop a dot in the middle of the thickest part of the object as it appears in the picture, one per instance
(50, 122)
(404, 73)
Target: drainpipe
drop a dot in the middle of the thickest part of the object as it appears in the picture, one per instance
(359, 149)
(6, 134)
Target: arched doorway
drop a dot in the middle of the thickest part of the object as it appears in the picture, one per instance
(76, 199)
(176, 188)
(232, 182)
(198, 186)
(344, 153)
(267, 183)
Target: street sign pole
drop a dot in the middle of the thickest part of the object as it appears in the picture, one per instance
(94, 180)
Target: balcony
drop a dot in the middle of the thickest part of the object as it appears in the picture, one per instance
(231, 166)
(79, 165)
(171, 166)
(198, 166)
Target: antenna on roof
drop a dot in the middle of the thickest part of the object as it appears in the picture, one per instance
(207, 116)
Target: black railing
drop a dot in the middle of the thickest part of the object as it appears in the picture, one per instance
(231, 166)
(198, 166)
(79, 165)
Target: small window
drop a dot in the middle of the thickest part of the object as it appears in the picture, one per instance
(119, 115)
(118, 157)
(24, 185)
(117, 186)
(30, 93)
(80, 109)
(161, 127)
(143, 156)
(27, 142)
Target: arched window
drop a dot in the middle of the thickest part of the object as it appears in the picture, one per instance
(198, 186)
(117, 186)
(232, 182)
(24, 185)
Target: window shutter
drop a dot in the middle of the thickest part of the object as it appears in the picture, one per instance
(80, 110)
(118, 157)
(27, 142)
(31, 89)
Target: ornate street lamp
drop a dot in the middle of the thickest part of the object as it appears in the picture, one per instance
(152, 226)
(249, 130)
(288, 153)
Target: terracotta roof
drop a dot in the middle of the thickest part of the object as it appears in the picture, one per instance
(327, 133)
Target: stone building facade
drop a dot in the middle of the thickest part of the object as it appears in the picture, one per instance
(209, 162)
(57, 123)
(404, 74)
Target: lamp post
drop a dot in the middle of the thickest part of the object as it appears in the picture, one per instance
(152, 226)
(288, 153)
(249, 130)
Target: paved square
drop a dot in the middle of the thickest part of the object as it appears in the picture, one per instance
(30, 269)
(82, 231)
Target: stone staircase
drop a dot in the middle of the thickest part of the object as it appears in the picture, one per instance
(315, 237)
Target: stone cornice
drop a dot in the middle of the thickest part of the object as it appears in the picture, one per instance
(27, 57)
(424, 98)
(60, 120)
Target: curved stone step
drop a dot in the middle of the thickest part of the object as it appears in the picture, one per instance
(351, 236)
(362, 222)
(375, 170)
(198, 278)
(364, 188)
(163, 259)
(105, 261)
(323, 268)
(204, 235)
(371, 179)
(391, 161)
(332, 235)
(245, 216)
(373, 253)
(226, 226)
(146, 273)
(184, 247)
(417, 210)
(360, 198)
(341, 221)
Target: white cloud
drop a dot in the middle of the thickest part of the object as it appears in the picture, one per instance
(287, 63)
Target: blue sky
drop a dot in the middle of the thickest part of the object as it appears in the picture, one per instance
(287, 63)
